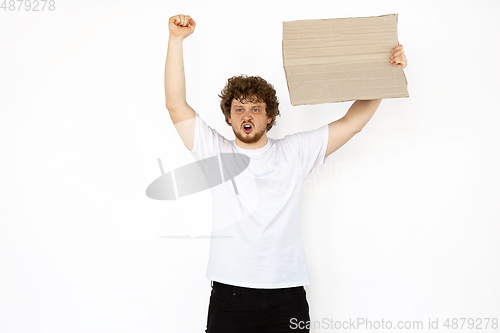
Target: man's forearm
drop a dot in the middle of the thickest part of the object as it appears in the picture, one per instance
(361, 112)
(175, 83)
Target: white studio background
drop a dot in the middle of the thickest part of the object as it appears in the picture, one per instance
(402, 223)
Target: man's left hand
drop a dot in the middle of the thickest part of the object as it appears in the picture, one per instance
(398, 56)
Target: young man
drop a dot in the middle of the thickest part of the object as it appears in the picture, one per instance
(256, 262)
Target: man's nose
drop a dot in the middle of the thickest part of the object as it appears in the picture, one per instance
(247, 115)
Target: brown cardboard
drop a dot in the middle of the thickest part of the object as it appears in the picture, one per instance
(342, 59)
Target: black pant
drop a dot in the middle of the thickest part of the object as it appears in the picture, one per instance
(235, 309)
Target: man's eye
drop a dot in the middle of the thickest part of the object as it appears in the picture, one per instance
(256, 110)
(239, 110)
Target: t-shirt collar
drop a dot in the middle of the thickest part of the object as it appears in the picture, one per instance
(253, 152)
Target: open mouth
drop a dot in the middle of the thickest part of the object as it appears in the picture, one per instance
(247, 128)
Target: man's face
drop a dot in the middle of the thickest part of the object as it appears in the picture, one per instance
(249, 120)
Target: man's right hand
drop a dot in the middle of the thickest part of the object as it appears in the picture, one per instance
(181, 26)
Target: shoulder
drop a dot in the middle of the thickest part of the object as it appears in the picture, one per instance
(318, 134)
(207, 138)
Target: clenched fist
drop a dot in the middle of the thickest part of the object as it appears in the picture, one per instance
(181, 26)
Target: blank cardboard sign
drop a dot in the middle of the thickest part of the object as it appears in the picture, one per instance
(343, 59)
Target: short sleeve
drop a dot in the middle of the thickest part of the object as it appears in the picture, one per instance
(207, 141)
(309, 147)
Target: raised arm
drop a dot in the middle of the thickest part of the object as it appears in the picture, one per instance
(358, 115)
(182, 115)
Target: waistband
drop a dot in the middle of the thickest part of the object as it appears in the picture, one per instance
(229, 287)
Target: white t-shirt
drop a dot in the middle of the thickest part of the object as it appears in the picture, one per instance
(256, 240)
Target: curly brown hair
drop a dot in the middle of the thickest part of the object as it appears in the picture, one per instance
(250, 88)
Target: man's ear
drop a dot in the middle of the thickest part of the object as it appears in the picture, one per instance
(229, 118)
(269, 119)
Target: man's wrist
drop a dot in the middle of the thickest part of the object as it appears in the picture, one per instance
(176, 39)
